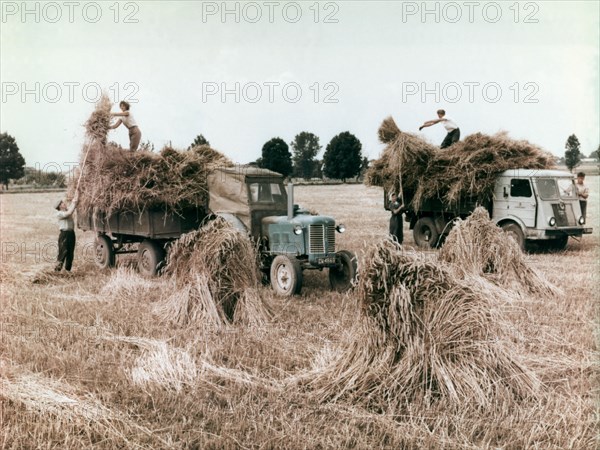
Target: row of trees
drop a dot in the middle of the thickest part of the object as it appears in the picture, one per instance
(343, 157)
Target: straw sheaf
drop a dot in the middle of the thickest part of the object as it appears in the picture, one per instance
(424, 334)
(217, 278)
(479, 247)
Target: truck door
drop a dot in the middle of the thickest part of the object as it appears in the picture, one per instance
(514, 197)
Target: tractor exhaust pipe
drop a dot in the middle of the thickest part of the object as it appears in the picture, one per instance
(290, 205)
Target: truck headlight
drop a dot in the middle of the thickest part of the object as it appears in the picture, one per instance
(341, 228)
(298, 230)
(552, 221)
(581, 220)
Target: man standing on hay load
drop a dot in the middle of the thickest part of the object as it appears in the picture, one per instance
(452, 129)
(66, 237)
(126, 118)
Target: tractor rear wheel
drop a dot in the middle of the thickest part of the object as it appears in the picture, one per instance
(342, 277)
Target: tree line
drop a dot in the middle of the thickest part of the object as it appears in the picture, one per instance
(342, 159)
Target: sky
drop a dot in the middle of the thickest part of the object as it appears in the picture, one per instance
(241, 73)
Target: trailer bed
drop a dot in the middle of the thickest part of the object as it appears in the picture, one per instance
(151, 224)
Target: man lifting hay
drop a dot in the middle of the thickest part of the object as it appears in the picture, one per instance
(126, 118)
(451, 127)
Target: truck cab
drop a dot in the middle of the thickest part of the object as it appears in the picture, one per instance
(538, 206)
(290, 239)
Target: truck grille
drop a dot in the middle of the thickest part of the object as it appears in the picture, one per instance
(321, 238)
(564, 215)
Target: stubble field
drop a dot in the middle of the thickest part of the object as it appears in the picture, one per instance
(85, 361)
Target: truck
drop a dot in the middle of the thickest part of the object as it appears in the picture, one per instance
(535, 207)
(255, 201)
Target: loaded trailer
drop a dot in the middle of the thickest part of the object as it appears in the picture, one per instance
(255, 201)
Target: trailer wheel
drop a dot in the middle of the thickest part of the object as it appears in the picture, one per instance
(104, 252)
(286, 276)
(341, 278)
(150, 254)
(425, 233)
(514, 230)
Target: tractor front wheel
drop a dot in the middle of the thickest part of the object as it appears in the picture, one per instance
(286, 276)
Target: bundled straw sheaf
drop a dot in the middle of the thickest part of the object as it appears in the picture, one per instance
(114, 179)
(424, 334)
(216, 273)
(477, 246)
(468, 168)
(96, 127)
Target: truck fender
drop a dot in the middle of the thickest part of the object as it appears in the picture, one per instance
(512, 219)
(233, 220)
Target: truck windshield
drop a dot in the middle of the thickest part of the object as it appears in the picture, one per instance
(547, 188)
(266, 193)
(567, 189)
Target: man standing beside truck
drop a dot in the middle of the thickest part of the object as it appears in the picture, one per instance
(583, 192)
(396, 223)
(66, 238)
(451, 127)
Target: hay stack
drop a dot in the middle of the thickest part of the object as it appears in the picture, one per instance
(115, 179)
(215, 270)
(424, 334)
(468, 168)
(406, 158)
(479, 247)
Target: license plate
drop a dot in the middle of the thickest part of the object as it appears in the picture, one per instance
(323, 261)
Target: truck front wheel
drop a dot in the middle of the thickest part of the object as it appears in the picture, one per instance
(342, 277)
(150, 254)
(425, 233)
(514, 230)
(286, 276)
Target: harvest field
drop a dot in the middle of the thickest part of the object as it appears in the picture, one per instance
(86, 361)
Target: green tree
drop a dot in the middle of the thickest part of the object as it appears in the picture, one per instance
(364, 165)
(12, 163)
(200, 140)
(343, 157)
(305, 148)
(596, 153)
(276, 156)
(572, 154)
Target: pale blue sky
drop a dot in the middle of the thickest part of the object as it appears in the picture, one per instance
(372, 56)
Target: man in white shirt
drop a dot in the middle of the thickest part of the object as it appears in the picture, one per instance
(126, 118)
(66, 237)
(452, 129)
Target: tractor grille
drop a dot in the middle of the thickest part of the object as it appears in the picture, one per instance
(321, 239)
